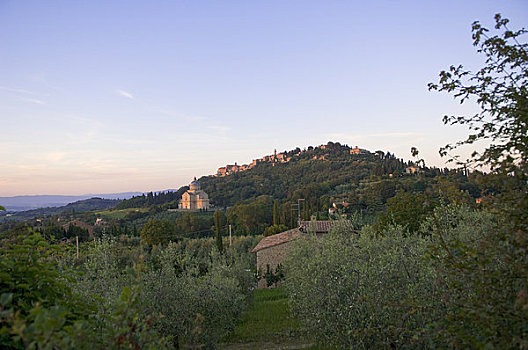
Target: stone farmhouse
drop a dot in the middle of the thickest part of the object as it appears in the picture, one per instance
(272, 250)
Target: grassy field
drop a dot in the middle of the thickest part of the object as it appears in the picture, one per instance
(118, 214)
(268, 324)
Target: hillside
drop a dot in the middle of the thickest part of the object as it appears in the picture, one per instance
(325, 170)
(331, 170)
(360, 180)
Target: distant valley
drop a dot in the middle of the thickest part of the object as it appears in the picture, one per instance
(23, 203)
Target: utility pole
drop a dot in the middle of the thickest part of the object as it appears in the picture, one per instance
(292, 215)
(298, 205)
(299, 210)
(77, 242)
(230, 241)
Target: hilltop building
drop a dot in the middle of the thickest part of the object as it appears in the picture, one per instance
(274, 158)
(194, 198)
(413, 170)
(358, 150)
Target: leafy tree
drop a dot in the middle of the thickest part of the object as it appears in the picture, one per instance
(156, 232)
(252, 217)
(195, 225)
(363, 291)
(39, 308)
(486, 274)
(27, 279)
(500, 88)
(406, 209)
(274, 229)
(481, 279)
(73, 231)
(377, 194)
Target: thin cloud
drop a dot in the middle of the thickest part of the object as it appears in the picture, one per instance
(33, 100)
(384, 135)
(219, 128)
(195, 118)
(396, 134)
(125, 94)
(17, 91)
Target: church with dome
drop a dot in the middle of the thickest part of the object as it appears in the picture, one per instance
(194, 198)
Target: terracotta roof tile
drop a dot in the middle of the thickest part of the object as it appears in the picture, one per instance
(319, 225)
(277, 239)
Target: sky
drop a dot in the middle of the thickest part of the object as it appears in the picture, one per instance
(115, 96)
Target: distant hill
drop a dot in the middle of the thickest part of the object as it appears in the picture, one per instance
(77, 207)
(24, 203)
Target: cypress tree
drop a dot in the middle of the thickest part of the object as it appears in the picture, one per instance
(276, 212)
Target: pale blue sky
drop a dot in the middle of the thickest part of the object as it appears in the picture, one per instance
(111, 96)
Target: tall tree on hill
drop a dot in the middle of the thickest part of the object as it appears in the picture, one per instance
(276, 217)
(219, 222)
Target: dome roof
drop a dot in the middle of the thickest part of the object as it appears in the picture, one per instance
(195, 185)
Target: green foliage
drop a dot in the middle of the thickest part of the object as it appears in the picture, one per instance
(276, 214)
(220, 221)
(484, 266)
(273, 278)
(302, 177)
(252, 217)
(195, 225)
(500, 88)
(362, 291)
(31, 287)
(377, 194)
(157, 231)
(169, 198)
(76, 207)
(407, 210)
(482, 279)
(179, 293)
(39, 309)
(460, 282)
(274, 229)
(185, 290)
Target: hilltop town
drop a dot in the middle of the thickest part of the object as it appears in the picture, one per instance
(283, 157)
